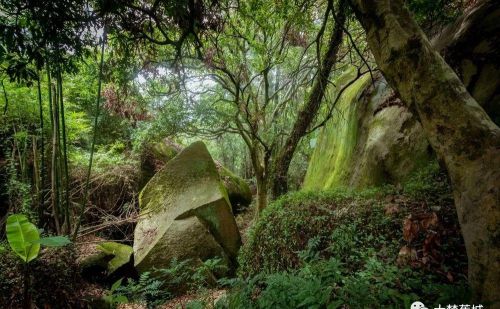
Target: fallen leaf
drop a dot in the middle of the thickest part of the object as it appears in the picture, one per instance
(410, 229)
(429, 221)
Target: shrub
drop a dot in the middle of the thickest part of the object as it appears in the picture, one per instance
(287, 226)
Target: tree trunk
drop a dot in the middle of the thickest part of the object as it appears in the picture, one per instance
(260, 163)
(459, 130)
(262, 191)
(310, 109)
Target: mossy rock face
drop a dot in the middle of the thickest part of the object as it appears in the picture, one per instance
(373, 139)
(111, 261)
(185, 213)
(155, 155)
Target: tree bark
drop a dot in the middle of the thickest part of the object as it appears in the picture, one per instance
(458, 129)
(310, 109)
(260, 163)
(262, 192)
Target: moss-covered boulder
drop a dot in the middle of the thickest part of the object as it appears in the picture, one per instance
(372, 139)
(110, 256)
(185, 213)
(155, 155)
(108, 262)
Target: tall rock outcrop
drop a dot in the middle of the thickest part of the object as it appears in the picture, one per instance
(375, 139)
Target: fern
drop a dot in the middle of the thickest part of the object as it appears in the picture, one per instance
(146, 289)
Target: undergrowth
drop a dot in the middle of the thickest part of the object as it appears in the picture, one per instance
(160, 285)
(344, 248)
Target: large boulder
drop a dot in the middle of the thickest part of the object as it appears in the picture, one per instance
(185, 213)
(375, 139)
(156, 154)
(372, 140)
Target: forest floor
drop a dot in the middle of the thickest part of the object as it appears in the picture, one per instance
(87, 246)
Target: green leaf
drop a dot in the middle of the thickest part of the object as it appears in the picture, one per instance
(54, 241)
(23, 236)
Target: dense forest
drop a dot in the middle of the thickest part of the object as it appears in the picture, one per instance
(250, 154)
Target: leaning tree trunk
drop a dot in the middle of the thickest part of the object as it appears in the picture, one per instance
(310, 109)
(459, 130)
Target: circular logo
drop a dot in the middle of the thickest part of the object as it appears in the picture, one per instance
(418, 305)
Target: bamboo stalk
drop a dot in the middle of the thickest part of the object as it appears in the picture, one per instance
(42, 150)
(94, 136)
(53, 168)
(65, 155)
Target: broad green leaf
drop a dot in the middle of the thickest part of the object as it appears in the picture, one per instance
(54, 241)
(23, 236)
(121, 253)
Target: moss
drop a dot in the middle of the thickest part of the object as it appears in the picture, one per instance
(121, 254)
(154, 156)
(372, 140)
(330, 162)
(238, 190)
